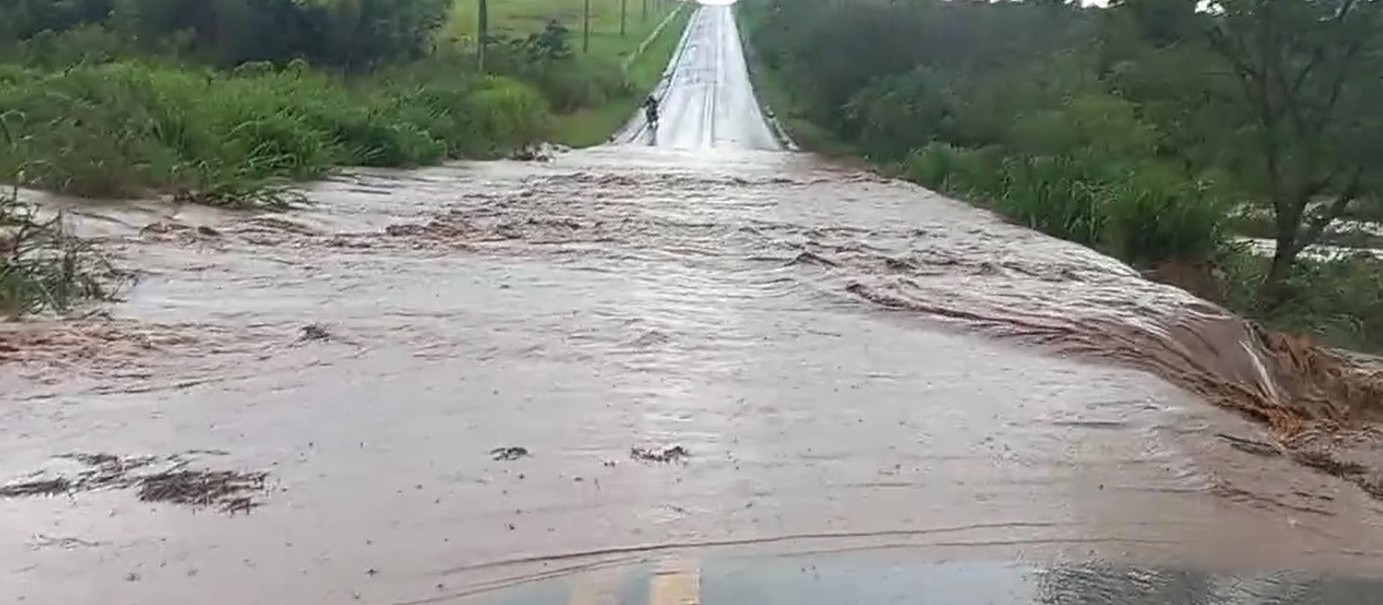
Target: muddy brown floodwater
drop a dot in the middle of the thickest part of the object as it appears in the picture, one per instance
(438, 381)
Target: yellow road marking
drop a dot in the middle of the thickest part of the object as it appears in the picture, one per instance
(598, 587)
(676, 582)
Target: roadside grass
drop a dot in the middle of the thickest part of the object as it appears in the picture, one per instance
(586, 112)
(1336, 300)
(595, 125)
(776, 93)
(523, 17)
(42, 267)
(131, 129)
(1136, 212)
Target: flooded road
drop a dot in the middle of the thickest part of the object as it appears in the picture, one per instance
(477, 377)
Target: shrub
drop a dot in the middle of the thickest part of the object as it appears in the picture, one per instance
(1058, 195)
(503, 113)
(1143, 215)
(123, 129)
(1335, 299)
(1153, 217)
(42, 267)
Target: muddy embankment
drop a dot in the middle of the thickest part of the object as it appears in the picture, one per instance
(1322, 405)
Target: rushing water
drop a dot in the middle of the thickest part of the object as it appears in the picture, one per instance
(847, 363)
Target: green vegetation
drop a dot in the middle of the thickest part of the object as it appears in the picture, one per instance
(594, 93)
(41, 265)
(1140, 129)
(517, 18)
(592, 126)
(121, 129)
(221, 101)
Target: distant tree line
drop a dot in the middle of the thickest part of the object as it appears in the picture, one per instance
(1273, 104)
(350, 35)
(1158, 131)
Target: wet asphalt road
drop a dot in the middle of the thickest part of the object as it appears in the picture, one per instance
(705, 292)
(706, 100)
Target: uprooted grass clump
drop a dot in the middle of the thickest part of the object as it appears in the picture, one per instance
(158, 479)
(42, 266)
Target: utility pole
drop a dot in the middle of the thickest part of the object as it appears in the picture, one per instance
(586, 28)
(645, 12)
(623, 6)
(484, 36)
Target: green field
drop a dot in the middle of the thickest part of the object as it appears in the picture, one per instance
(522, 17)
(590, 126)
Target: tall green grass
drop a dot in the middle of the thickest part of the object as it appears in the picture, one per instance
(42, 267)
(126, 129)
(1140, 214)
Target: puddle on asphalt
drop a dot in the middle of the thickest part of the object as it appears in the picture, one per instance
(827, 578)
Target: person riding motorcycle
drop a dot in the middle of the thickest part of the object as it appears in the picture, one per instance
(650, 110)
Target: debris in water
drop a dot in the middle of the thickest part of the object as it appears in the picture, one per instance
(542, 152)
(508, 453)
(314, 332)
(812, 258)
(42, 487)
(224, 489)
(675, 453)
(1325, 462)
(650, 339)
(1257, 448)
(158, 479)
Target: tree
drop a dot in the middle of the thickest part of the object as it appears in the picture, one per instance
(1309, 72)
(1160, 23)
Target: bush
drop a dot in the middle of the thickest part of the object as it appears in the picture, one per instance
(42, 267)
(351, 35)
(1336, 299)
(545, 59)
(1058, 195)
(125, 128)
(1144, 215)
(504, 113)
(1153, 217)
(933, 165)
(971, 173)
(571, 85)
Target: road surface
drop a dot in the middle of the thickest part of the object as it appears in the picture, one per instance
(448, 384)
(705, 98)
